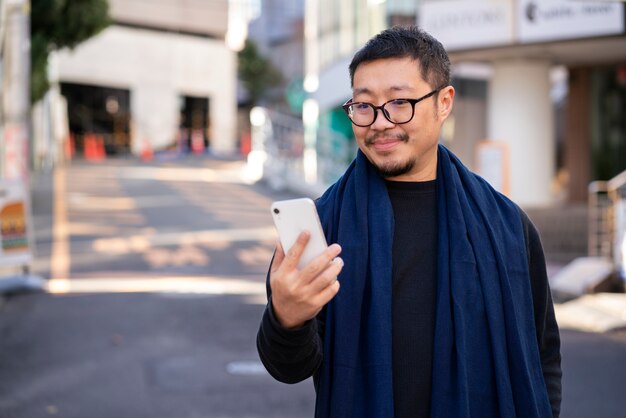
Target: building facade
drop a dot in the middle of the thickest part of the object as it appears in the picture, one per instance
(540, 84)
(161, 76)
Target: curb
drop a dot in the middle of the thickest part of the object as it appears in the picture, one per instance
(21, 284)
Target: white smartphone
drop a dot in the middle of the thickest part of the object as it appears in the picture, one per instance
(292, 217)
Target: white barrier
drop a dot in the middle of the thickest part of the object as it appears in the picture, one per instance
(16, 238)
(281, 156)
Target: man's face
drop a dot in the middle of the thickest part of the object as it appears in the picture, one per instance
(406, 152)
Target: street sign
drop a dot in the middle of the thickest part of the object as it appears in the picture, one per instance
(295, 95)
(15, 248)
(15, 152)
(493, 164)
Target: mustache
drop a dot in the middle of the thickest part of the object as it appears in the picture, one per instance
(373, 138)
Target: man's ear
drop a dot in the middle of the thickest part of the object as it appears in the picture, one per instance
(445, 100)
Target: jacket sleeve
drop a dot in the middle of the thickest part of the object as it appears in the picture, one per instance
(290, 356)
(548, 338)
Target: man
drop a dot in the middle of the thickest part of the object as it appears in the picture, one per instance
(444, 308)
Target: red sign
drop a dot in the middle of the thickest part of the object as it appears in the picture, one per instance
(14, 224)
(15, 164)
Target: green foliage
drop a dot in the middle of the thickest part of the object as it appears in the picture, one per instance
(57, 24)
(256, 72)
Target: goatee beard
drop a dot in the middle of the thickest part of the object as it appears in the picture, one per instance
(395, 170)
(391, 169)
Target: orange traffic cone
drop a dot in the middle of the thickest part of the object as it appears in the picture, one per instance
(101, 152)
(146, 151)
(197, 141)
(245, 144)
(88, 148)
(70, 147)
(93, 148)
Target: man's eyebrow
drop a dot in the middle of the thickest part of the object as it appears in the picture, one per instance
(362, 90)
(365, 90)
(400, 87)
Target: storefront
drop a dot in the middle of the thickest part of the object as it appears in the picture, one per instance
(552, 151)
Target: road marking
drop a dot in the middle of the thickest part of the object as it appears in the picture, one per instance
(86, 202)
(185, 284)
(205, 175)
(140, 243)
(60, 257)
(246, 368)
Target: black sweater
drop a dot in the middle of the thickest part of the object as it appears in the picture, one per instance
(294, 355)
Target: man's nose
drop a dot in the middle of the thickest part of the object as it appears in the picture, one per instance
(381, 121)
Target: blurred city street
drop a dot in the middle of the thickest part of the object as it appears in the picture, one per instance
(155, 290)
(135, 237)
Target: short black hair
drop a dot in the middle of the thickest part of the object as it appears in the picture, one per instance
(407, 42)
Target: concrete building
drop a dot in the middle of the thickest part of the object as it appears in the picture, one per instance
(278, 33)
(162, 75)
(526, 43)
(541, 85)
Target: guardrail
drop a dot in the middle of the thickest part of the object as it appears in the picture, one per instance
(281, 155)
(607, 221)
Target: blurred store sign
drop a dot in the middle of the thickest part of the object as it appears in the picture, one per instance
(462, 25)
(552, 20)
(296, 95)
(14, 224)
(494, 165)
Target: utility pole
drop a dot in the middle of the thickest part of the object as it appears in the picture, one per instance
(16, 235)
(15, 87)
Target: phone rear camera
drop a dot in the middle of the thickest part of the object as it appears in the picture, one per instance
(276, 211)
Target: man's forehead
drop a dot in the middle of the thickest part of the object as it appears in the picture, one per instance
(385, 77)
(404, 70)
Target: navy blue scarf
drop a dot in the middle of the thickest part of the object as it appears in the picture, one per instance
(486, 360)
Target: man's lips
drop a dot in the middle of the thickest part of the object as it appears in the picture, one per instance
(385, 144)
(380, 143)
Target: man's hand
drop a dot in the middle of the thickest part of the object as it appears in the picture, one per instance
(299, 295)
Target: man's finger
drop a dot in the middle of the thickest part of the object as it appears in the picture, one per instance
(323, 297)
(279, 256)
(321, 262)
(328, 276)
(295, 252)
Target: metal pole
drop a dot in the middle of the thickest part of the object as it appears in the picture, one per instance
(14, 123)
(16, 93)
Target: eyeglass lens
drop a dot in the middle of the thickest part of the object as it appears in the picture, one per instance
(396, 111)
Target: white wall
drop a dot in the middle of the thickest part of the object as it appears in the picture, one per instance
(520, 114)
(334, 88)
(195, 16)
(157, 68)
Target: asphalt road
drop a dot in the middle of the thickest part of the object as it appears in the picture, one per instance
(156, 276)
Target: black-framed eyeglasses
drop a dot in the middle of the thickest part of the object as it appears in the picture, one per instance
(397, 111)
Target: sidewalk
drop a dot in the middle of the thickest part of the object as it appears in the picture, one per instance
(599, 312)
(591, 311)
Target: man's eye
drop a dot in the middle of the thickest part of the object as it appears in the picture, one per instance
(360, 106)
(399, 103)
